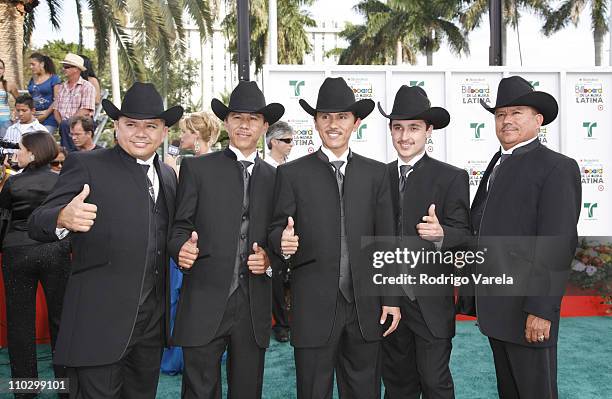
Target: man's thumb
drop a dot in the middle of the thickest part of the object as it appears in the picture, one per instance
(194, 237)
(84, 193)
(255, 247)
(289, 222)
(432, 210)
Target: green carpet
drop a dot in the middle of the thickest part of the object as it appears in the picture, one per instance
(585, 364)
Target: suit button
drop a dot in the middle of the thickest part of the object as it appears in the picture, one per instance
(243, 236)
(241, 275)
(159, 252)
(244, 217)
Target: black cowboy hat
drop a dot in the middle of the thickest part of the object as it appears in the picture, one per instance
(336, 96)
(412, 103)
(142, 101)
(247, 98)
(515, 90)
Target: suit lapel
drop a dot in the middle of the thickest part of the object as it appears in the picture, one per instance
(394, 181)
(131, 168)
(482, 187)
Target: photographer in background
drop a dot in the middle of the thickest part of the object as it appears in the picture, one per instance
(26, 262)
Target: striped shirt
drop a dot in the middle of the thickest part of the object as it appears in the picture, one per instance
(69, 101)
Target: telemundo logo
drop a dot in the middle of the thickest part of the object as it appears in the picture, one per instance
(360, 131)
(589, 126)
(534, 83)
(420, 83)
(477, 126)
(590, 207)
(296, 85)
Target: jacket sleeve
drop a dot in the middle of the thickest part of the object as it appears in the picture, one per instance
(284, 206)
(557, 237)
(456, 223)
(43, 221)
(385, 227)
(186, 207)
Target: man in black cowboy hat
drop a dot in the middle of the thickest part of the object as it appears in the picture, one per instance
(224, 207)
(532, 192)
(324, 204)
(117, 205)
(431, 201)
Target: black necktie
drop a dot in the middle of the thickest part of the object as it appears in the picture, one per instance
(346, 281)
(339, 176)
(404, 169)
(242, 248)
(502, 158)
(150, 187)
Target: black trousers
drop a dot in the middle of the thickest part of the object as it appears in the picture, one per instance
(279, 304)
(245, 360)
(525, 372)
(355, 361)
(22, 268)
(136, 374)
(414, 361)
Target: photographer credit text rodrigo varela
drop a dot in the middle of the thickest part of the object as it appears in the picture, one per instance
(417, 268)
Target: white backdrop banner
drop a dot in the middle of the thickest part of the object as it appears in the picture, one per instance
(582, 131)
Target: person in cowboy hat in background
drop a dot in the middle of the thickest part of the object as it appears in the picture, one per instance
(117, 205)
(224, 208)
(431, 201)
(76, 96)
(530, 191)
(325, 203)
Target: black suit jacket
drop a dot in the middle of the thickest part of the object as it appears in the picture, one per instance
(535, 193)
(435, 182)
(209, 201)
(108, 262)
(306, 189)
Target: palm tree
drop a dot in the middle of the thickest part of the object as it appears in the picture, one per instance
(154, 26)
(570, 10)
(472, 16)
(293, 41)
(403, 28)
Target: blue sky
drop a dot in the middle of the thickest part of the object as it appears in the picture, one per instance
(570, 48)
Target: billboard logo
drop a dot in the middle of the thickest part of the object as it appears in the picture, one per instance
(296, 85)
(589, 91)
(477, 126)
(590, 207)
(474, 91)
(360, 131)
(543, 135)
(419, 83)
(475, 176)
(589, 126)
(592, 172)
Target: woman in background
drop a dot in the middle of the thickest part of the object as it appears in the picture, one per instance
(43, 87)
(200, 131)
(26, 262)
(58, 163)
(89, 75)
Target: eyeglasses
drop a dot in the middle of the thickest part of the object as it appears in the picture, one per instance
(286, 141)
(57, 163)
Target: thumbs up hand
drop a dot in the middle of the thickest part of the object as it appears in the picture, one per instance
(431, 230)
(289, 241)
(78, 215)
(258, 261)
(189, 252)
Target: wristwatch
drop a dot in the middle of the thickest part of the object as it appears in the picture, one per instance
(269, 271)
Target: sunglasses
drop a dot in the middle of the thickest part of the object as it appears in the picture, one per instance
(286, 141)
(57, 163)
(68, 66)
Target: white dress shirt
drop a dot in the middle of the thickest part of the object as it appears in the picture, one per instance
(241, 157)
(151, 173)
(332, 157)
